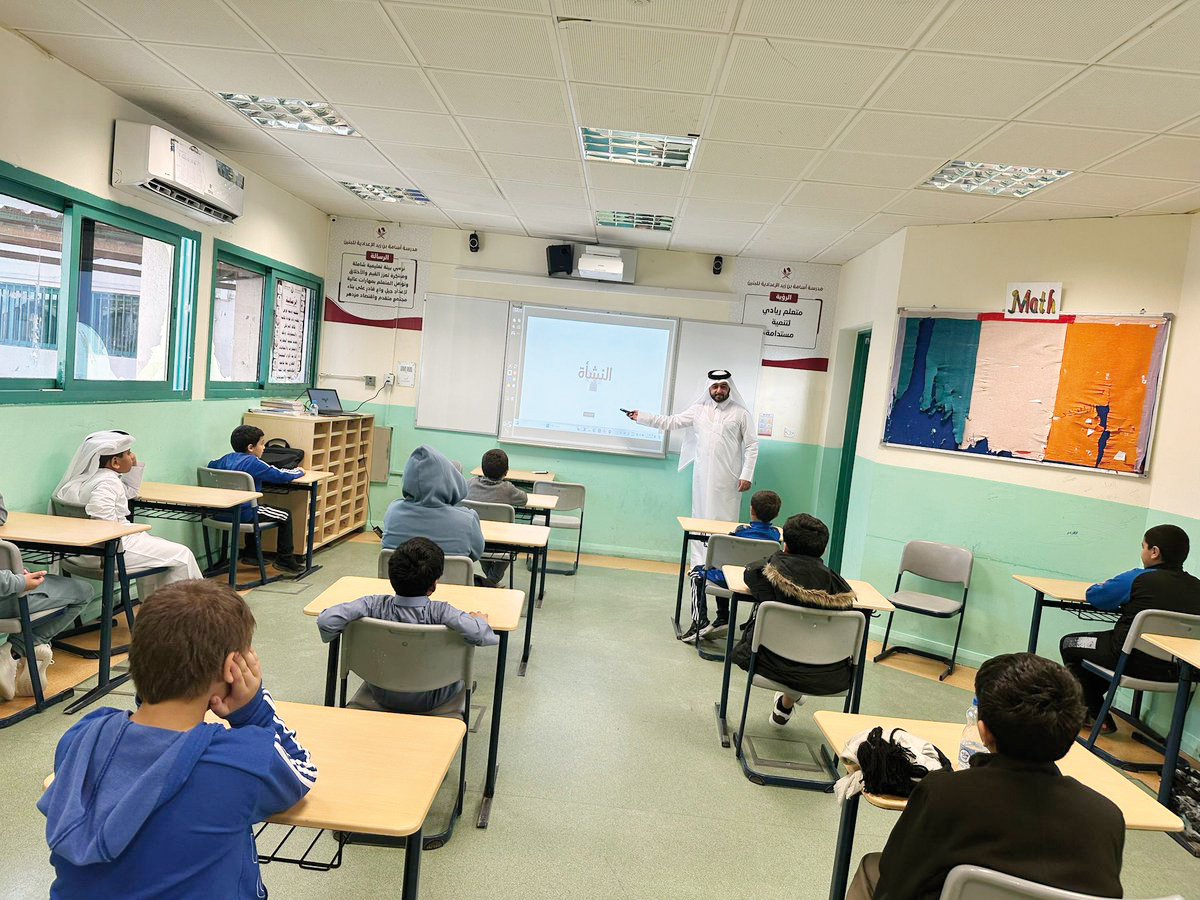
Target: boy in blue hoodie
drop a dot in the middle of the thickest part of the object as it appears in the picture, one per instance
(248, 444)
(432, 490)
(158, 802)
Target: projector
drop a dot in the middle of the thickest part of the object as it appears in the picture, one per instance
(601, 264)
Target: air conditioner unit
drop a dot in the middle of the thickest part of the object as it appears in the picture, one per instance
(606, 264)
(149, 161)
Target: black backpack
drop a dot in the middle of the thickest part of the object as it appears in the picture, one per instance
(282, 455)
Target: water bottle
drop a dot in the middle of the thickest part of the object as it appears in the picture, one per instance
(971, 742)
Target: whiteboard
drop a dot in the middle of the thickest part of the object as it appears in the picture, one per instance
(462, 364)
(709, 345)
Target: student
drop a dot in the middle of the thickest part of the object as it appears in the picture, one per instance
(1160, 583)
(158, 800)
(1012, 810)
(41, 592)
(764, 507)
(248, 444)
(796, 575)
(414, 570)
(432, 488)
(492, 488)
(102, 478)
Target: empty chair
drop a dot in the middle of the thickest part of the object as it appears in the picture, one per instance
(978, 883)
(937, 562)
(494, 563)
(730, 550)
(571, 498)
(458, 569)
(235, 481)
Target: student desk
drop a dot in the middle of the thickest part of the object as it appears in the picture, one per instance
(540, 504)
(1187, 653)
(532, 539)
(865, 598)
(309, 481)
(1142, 812)
(1062, 594)
(503, 609)
(191, 503)
(63, 536)
(694, 530)
(519, 475)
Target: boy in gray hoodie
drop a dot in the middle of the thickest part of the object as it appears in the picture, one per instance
(432, 490)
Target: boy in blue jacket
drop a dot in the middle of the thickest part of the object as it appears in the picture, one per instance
(248, 444)
(1160, 583)
(158, 803)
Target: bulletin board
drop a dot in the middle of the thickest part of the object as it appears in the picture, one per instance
(1079, 391)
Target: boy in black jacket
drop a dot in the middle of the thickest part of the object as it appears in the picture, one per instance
(1012, 811)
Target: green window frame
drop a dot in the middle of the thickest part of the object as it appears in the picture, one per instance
(76, 207)
(273, 272)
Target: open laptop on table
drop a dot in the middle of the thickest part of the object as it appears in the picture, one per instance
(327, 402)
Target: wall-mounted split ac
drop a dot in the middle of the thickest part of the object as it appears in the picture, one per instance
(149, 161)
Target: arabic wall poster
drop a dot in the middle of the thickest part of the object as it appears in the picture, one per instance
(794, 304)
(377, 273)
(1077, 390)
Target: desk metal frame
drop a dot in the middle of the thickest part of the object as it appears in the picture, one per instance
(688, 537)
(287, 488)
(194, 512)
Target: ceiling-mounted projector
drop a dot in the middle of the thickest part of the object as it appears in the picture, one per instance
(606, 264)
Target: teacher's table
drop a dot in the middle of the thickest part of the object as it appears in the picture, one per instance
(865, 598)
(309, 481)
(192, 503)
(1057, 593)
(1187, 653)
(695, 530)
(503, 609)
(62, 536)
(1142, 812)
(531, 539)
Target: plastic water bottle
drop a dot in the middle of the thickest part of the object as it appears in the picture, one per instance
(971, 743)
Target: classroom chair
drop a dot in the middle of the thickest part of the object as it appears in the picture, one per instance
(730, 550)
(458, 570)
(1148, 621)
(815, 636)
(978, 883)
(495, 512)
(937, 562)
(397, 656)
(10, 559)
(231, 480)
(571, 498)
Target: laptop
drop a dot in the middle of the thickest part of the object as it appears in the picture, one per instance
(326, 401)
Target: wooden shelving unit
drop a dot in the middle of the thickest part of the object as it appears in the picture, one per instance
(337, 444)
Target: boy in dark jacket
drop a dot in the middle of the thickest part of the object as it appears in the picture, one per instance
(1160, 583)
(796, 575)
(1012, 811)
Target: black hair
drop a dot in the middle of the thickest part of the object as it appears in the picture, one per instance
(765, 505)
(415, 567)
(244, 437)
(1172, 543)
(805, 535)
(107, 458)
(495, 464)
(1032, 706)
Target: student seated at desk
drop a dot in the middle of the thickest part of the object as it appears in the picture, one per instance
(796, 575)
(1011, 811)
(432, 488)
(158, 802)
(248, 444)
(102, 478)
(764, 507)
(1160, 583)
(413, 570)
(491, 487)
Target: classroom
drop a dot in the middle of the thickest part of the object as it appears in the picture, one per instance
(943, 256)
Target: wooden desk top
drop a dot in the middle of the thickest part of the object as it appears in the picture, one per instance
(519, 475)
(311, 475)
(1185, 649)
(1057, 588)
(865, 595)
(540, 502)
(194, 495)
(37, 528)
(500, 605)
(513, 534)
(1141, 810)
(706, 526)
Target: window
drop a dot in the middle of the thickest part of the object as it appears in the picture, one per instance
(236, 323)
(31, 239)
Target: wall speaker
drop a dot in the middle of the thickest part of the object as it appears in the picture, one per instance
(473, 242)
(718, 263)
(560, 259)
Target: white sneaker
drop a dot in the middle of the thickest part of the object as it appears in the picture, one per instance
(8, 673)
(45, 658)
(779, 714)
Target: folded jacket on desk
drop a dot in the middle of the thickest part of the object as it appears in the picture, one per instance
(889, 765)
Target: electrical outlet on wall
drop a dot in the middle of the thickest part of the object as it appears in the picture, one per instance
(789, 432)
(389, 380)
(369, 380)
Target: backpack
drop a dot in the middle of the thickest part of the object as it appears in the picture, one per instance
(282, 455)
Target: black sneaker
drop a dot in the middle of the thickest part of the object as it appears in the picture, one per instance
(289, 564)
(694, 631)
(717, 629)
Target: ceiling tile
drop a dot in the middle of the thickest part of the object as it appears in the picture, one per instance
(717, 246)
(625, 177)
(470, 220)
(736, 187)
(642, 57)
(944, 204)
(329, 147)
(433, 159)
(1050, 146)
(1036, 211)
(1120, 98)
(623, 109)
(367, 173)
(456, 191)
(109, 59)
(285, 171)
(411, 213)
(332, 199)
(840, 196)
(552, 218)
(1161, 157)
(848, 247)
(368, 84)
(624, 201)
(968, 85)
(694, 228)
(1188, 202)
(728, 158)
(495, 97)
(889, 223)
(347, 29)
(806, 235)
(405, 127)
(498, 136)
(710, 15)
(508, 167)
(805, 216)
(1170, 44)
(236, 71)
(800, 72)
(250, 139)
(63, 16)
(849, 21)
(523, 192)
(633, 237)
(205, 22)
(479, 41)
(183, 108)
(526, 6)
(493, 206)
(796, 250)
(1192, 128)
(874, 169)
(729, 210)
(943, 136)
(760, 122)
(1109, 190)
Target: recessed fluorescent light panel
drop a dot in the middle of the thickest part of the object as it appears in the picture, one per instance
(663, 150)
(294, 115)
(993, 178)
(615, 219)
(385, 193)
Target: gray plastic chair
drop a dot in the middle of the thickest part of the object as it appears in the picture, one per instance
(571, 497)
(458, 570)
(495, 512)
(397, 656)
(801, 634)
(937, 562)
(730, 550)
(234, 481)
(978, 883)
(1148, 621)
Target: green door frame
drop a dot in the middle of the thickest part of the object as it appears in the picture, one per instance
(841, 503)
